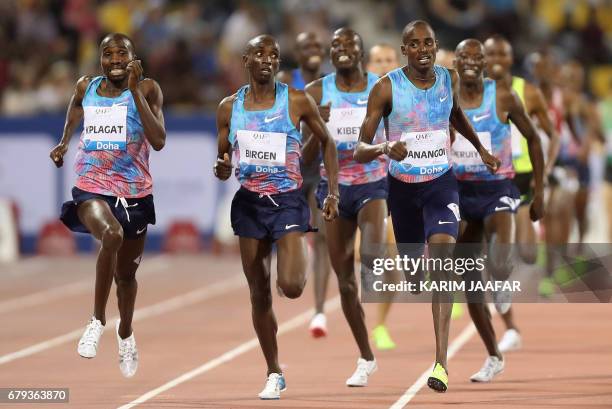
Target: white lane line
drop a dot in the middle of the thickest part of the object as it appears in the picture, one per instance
(228, 356)
(175, 303)
(154, 265)
(458, 343)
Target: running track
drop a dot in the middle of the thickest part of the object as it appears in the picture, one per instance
(197, 346)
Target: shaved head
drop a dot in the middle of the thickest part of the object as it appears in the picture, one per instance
(407, 32)
(117, 38)
(305, 36)
(499, 39)
(264, 39)
(470, 42)
(349, 32)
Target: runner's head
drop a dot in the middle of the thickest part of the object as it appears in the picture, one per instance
(541, 65)
(116, 52)
(498, 53)
(470, 60)
(572, 76)
(419, 45)
(346, 49)
(382, 58)
(262, 58)
(309, 51)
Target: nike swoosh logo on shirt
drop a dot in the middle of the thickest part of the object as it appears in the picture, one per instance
(481, 117)
(362, 101)
(274, 118)
(444, 98)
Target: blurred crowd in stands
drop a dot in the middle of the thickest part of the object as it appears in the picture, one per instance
(193, 48)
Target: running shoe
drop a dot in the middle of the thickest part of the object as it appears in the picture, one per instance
(318, 326)
(546, 287)
(457, 311)
(360, 376)
(510, 341)
(492, 366)
(438, 380)
(128, 354)
(502, 300)
(88, 344)
(382, 339)
(275, 384)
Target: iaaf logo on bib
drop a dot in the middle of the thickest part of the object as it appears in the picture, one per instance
(421, 136)
(259, 135)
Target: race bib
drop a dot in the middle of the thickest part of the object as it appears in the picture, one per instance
(105, 128)
(425, 149)
(464, 152)
(516, 137)
(344, 123)
(262, 148)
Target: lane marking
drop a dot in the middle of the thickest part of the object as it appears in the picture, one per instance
(228, 356)
(162, 307)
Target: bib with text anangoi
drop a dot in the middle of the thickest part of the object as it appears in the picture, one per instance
(105, 128)
(344, 123)
(464, 152)
(262, 148)
(426, 148)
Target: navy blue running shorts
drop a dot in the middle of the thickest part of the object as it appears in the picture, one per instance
(478, 200)
(353, 197)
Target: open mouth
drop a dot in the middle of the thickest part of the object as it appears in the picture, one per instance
(266, 70)
(115, 72)
(470, 72)
(314, 59)
(344, 58)
(424, 59)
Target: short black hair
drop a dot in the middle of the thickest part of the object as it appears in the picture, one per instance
(118, 37)
(410, 26)
(350, 31)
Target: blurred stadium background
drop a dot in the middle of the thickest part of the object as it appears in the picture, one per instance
(193, 49)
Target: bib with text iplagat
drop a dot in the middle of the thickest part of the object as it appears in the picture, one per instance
(105, 128)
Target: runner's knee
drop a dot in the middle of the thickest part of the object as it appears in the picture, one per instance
(112, 237)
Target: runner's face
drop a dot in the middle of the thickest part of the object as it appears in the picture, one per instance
(382, 60)
(420, 47)
(114, 57)
(345, 51)
(263, 61)
(499, 58)
(470, 62)
(310, 53)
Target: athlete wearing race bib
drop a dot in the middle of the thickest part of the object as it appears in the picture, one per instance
(420, 104)
(363, 187)
(488, 201)
(112, 198)
(259, 124)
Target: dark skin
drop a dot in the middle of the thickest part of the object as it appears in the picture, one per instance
(261, 61)
(309, 55)
(420, 47)
(346, 54)
(498, 227)
(117, 255)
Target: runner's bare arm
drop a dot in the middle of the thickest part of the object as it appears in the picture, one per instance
(148, 98)
(535, 104)
(312, 146)
(223, 166)
(517, 114)
(74, 116)
(151, 113)
(379, 103)
(462, 124)
(309, 113)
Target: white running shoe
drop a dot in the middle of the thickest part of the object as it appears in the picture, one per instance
(360, 376)
(318, 326)
(128, 353)
(502, 300)
(492, 366)
(88, 344)
(275, 384)
(510, 341)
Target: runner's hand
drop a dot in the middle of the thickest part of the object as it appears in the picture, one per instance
(57, 154)
(324, 111)
(134, 70)
(223, 167)
(489, 160)
(330, 208)
(397, 150)
(536, 209)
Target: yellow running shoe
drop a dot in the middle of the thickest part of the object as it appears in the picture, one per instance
(438, 380)
(457, 311)
(382, 339)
